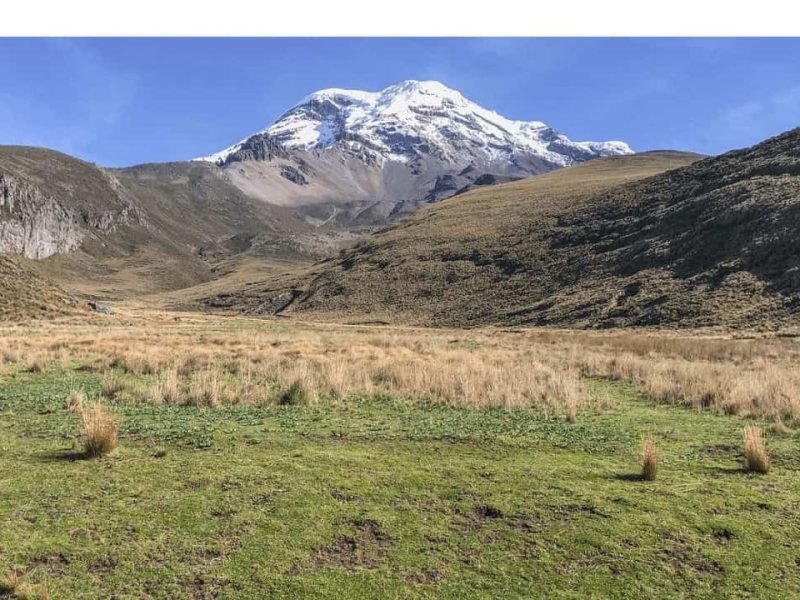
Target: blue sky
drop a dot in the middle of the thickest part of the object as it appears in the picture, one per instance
(125, 101)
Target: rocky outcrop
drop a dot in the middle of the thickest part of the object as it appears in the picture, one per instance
(258, 147)
(100, 307)
(34, 224)
(51, 205)
(293, 175)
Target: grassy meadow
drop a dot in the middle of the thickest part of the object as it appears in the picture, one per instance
(280, 459)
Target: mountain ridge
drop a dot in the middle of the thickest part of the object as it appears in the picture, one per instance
(379, 122)
(360, 158)
(161, 226)
(711, 243)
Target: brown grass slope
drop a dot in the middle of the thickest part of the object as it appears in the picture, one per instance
(424, 267)
(709, 244)
(24, 295)
(713, 243)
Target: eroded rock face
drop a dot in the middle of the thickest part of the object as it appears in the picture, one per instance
(34, 224)
(293, 175)
(258, 147)
(37, 222)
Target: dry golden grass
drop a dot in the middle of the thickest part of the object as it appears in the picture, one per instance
(99, 429)
(9, 583)
(759, 387)
(13, 586)
(75, 402)
(29, 591)
(204, 389)
(296, 394)
(26, 295)
(649, 459)
(167, 390)
(214, 361)
(756, 457)
(572, 410)
(112, 384)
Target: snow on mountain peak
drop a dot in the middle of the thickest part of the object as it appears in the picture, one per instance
(421, 120)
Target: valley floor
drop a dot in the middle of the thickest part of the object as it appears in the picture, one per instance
(400, 484)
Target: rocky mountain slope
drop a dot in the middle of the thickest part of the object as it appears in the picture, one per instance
(334, 167)
(365, 157)
(414, 270)
(124, 231)
(713, 243)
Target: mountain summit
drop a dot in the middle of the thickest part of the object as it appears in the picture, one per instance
(362, 158)
(416, 121)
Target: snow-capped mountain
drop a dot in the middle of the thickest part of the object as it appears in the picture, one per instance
(365, 157)
(415, 119)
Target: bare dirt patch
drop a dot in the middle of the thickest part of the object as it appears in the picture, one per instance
(426, 577)
(54, 565)
(686, 559)
(366, 549)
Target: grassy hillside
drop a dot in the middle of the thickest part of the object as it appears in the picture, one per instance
(25, 295)
(462, 261)
(713, 243)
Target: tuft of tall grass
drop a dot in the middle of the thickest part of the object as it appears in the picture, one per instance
(649, 459)
(205, 389)
(756, 457)
(572, 409)
(100, 429)
(75, 402)
(13, 586)
(296, 394)
(29, 591)
(9, 583)
(112, 385)
(167, 390)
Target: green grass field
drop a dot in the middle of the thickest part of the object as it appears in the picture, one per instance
(387, 498)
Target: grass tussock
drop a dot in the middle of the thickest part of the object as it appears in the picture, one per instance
(167, 390)
(571, 405)
(10, 582)
(649, 459)
(112, 385)
(30, 591)
(75, 402)
(99, 429)
(756, 457)
(205, 389)
(297, 394)
(14, 586)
